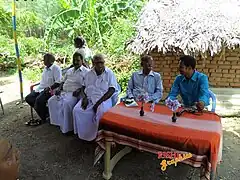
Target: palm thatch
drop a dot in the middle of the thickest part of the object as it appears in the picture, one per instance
(193, 27)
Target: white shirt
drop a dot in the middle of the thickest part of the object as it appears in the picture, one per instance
(85, 52)
(96, 86)
(73, 79)
(50, 75)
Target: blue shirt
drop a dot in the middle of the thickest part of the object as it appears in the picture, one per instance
(192, 90)
(139, 83)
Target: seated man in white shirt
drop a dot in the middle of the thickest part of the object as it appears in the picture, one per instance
(51, 78)
(66, 97)
(99, 85)
(145, 81)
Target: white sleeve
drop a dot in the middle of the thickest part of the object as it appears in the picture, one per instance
(57, 74)
(112, 80)
(64, 78)
(84, 82)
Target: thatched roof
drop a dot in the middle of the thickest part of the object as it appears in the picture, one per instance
(193, 26)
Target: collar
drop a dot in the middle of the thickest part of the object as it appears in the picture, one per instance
(194, 76)
(150, 73)
(79, 69)
(49, 68)
(93, 70)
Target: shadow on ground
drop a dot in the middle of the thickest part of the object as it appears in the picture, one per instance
(46, 154)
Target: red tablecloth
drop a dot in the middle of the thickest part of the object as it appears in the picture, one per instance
(198, 134)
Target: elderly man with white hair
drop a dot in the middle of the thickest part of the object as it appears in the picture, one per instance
(99, 86)
(66, 97)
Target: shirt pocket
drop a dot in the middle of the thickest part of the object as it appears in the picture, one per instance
(138, 83)
(79, 80)
(102, 84)
(151, 84)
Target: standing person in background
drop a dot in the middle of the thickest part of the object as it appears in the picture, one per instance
(81, 47)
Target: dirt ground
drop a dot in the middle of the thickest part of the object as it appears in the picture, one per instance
(46, 154)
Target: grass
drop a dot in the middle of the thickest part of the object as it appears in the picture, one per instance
(32, 74)
(8, 72)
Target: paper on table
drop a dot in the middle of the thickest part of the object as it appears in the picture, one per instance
(130, 103)
(152, 107)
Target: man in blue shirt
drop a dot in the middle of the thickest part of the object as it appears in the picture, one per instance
(190, 84)
(145, 81)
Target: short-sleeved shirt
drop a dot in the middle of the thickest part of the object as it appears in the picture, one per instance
(96, 86)
(50, 75)
(73, 79)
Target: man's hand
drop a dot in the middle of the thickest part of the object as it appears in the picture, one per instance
(58, 92)
(47, 90)
(84, 103)
(200, 105)
(77, 93)
(95, 107)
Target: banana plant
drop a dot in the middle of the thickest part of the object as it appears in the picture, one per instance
(90, 18)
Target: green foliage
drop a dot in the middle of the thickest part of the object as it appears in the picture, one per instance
(6, 45)
(90, 18)
(105, 24)
(33, 74)
(5, 22)
(30, 46)
(8, 58)
(43, 9)
(30, 24)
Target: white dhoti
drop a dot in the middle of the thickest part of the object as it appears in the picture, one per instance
(86, 121)
(60, 110)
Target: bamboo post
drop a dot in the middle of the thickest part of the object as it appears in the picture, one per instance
(16, 47)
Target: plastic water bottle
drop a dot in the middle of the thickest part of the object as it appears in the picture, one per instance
(152, 107)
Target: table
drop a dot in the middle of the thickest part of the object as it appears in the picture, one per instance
(200, 135)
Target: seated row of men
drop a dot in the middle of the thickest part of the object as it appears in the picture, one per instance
(78, 102)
